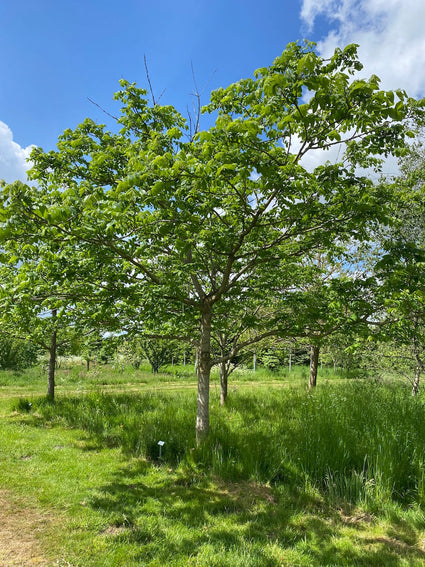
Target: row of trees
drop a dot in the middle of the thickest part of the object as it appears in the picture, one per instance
(273, 355)
(223, 236)
(276, 355)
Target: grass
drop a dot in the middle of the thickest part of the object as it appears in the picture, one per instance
(287, 477)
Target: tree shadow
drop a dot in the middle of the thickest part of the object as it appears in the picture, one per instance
(171, 516)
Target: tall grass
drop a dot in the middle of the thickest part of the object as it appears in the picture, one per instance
(362, 441)
(28, 378)
(359, 441)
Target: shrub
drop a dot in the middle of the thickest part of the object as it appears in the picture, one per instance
(16, 354)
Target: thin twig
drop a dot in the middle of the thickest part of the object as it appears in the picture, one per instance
(149, 80)
(102, 109)
(155, 102)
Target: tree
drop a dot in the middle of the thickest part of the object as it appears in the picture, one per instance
(334, 296)
(404, 291)
(189, 229)
(93, 347)
(226, 341)
(36, 300)
(16, 354)
(158, 352)
(402, 268)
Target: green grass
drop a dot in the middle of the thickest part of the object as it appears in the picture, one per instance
(287, 476)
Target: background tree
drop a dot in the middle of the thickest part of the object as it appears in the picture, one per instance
(400, 271)
(226, 348)
(16, 354)
(41, 300)
(403, 282)
(159, 352)
(334, 296)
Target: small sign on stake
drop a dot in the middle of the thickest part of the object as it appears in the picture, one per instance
(161, 444)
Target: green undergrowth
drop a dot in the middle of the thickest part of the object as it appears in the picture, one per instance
(362, 442)
(286, 477)
(29, 379)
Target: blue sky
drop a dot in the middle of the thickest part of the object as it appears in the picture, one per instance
(55, 54)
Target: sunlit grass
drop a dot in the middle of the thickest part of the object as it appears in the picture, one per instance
(287, 476)
(361, 442)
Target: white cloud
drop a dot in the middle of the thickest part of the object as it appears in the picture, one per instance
(13, 158)
(390, 34)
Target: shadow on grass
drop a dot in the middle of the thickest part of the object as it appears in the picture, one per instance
(174, 514)
(182, 517)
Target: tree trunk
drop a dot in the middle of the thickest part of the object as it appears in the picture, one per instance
(52, 362)
(415, 388)
(224, 379)
(314, 361)
(87, 364)
(204, 371)
(254, 362)
(419, 364)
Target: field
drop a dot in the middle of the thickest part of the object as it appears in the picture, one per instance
(287, 476)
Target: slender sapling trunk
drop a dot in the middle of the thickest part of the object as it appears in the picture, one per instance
(52, 361)
(418, 367)
(204, 371)
(314, 362)
(224, 379)
(415, 387)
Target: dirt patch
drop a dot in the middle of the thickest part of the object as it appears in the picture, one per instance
(360, 518)
(19, 527)
(248, 492)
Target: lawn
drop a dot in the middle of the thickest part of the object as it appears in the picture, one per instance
(287, 476)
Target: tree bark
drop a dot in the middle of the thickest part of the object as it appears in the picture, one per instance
(52, 361)
(204, 371)
(314, 362)
(224, 379)
(415, 388)
(419, 364)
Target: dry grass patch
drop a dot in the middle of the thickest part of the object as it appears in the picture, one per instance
(247, 493)
(19, 528)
